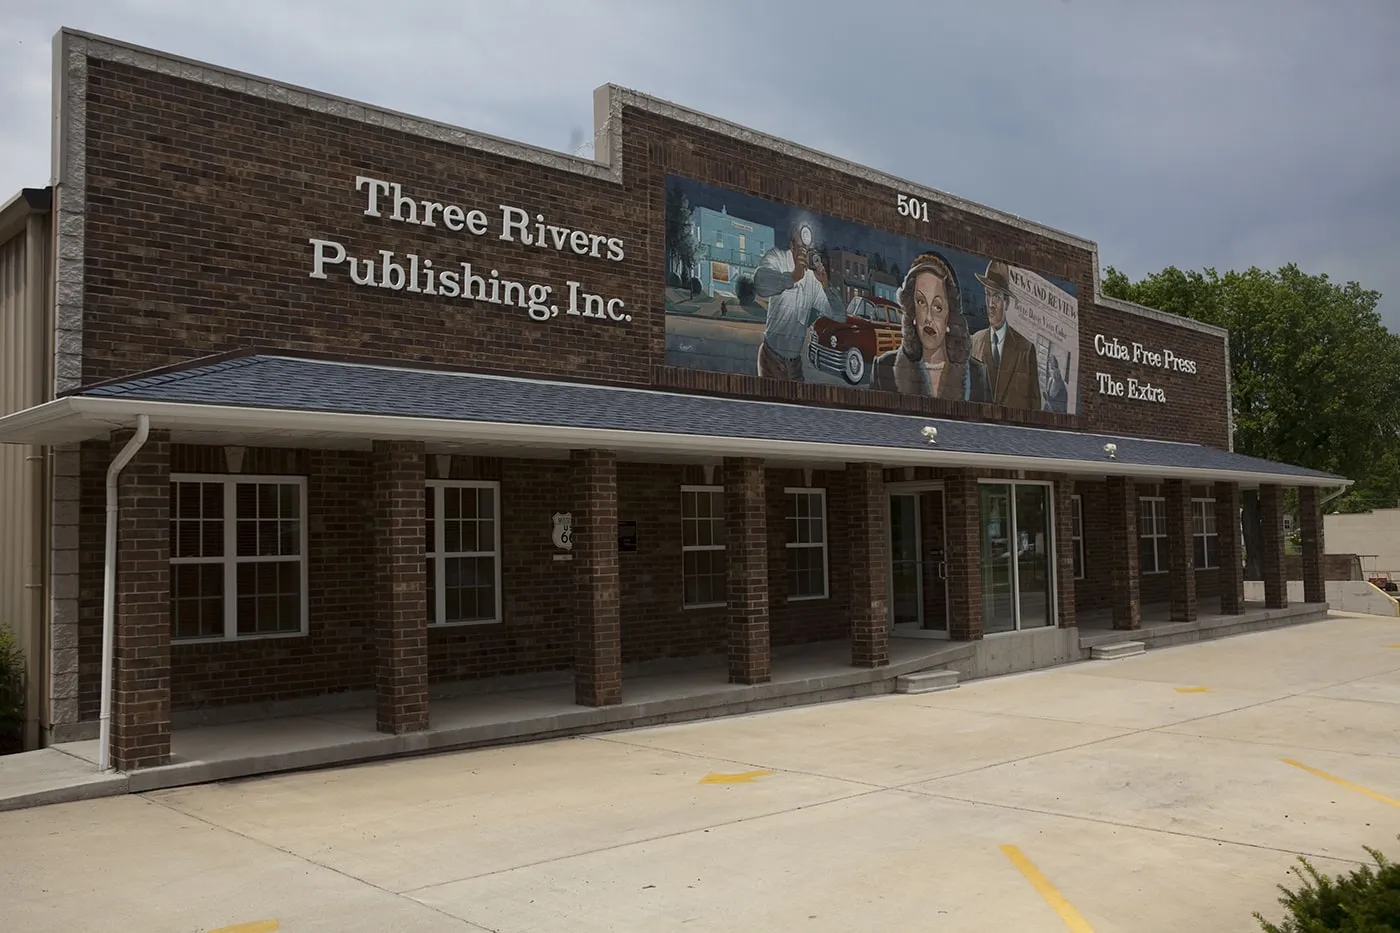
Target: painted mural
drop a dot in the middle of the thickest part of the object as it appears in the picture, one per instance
(761, 288)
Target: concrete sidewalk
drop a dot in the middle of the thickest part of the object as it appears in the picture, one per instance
(1168, 791)
(51, 775)
(341, 730)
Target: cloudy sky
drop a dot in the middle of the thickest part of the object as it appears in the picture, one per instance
(1222, 133)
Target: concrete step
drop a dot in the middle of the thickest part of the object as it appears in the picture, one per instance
(1122, 649)
(926, 682)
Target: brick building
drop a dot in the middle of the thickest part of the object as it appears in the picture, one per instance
(308, 399)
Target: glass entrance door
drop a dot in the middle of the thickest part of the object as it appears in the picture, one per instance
(1034, 590)
(1017, 557)
(906, 569)
(918, 565)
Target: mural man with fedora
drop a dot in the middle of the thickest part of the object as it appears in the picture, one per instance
(1009, 357)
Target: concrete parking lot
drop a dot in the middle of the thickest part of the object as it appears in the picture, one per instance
(1164, 792)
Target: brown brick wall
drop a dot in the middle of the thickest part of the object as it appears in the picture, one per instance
(1065, 583)
(1314, 569)
(597, 625)
(1271, 539)
(869, 565)
(747, 553)
(141, 647)
(1095, 590)
(963, 529)
(400, 573)
(1181, 574)
(1230, 576)
(1194, 409)
(201, 203)
(1120, 511)
(338, 654)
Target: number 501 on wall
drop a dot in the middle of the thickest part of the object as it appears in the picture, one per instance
(912, 207)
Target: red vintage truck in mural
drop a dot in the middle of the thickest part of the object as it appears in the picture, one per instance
(847, 348)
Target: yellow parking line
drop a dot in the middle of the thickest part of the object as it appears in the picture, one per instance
(743, 777)
(1045, 889)
(257, 926)
(1192, 689)
(1343, 782)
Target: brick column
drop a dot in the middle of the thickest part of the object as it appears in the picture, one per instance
(401, 593)
(1231, 547)
(141, 650)
(869, 540)
(1271, 546)
(1181, 555)
(1123, 552)
(1310, 520)
(598, 631)
(746, 546)
(1064, 552)
(963, 532)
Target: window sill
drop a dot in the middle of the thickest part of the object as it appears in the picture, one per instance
(238, 639)
(689, 606)
(474, 623)
(808, 599)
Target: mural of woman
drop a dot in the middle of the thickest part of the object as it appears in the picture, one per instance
(935, 354)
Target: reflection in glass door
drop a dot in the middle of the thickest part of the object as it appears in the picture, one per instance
(1033, 555)
(906, 589)
(1017, 547)
(998, 609)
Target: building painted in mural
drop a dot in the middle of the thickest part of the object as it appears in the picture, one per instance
(385, 411)
(728, 250)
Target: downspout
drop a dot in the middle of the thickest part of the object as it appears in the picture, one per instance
(1331, 495)
(109, 589)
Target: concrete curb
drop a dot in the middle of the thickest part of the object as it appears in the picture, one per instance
(972, 660)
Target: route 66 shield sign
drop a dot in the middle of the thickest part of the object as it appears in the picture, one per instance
(564, 530)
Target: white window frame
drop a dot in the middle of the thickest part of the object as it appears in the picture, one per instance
(1076, 531)
(1158, 537)
(687, 548)
(796, 545)
(1212, 548)
(231, 561)
(439, 557)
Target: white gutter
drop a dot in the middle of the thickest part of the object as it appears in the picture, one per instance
(109, 589)
(106, 414)
(1330, 496)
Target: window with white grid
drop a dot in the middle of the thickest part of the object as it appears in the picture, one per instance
(1204, 538)
(463, 548)
(237, 557)
(702, 546)
(1152, 534)
(806, 544)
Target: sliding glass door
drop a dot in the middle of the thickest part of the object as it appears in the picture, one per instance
(1018, 566)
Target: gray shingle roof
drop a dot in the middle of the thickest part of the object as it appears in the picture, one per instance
(277, 382)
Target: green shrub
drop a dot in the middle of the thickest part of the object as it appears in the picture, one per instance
(1365, 901)
(11, 692)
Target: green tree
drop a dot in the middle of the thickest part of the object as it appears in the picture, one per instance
(1315, 374)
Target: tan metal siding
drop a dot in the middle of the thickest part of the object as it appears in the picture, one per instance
(23, 370)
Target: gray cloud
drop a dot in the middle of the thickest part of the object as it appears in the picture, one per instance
(1194, 133)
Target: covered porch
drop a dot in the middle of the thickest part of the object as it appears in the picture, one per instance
(369, 445)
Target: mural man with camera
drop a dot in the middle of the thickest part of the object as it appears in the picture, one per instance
(795, 283)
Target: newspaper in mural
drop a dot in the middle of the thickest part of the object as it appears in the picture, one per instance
(1049, 317)
(762, 288)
